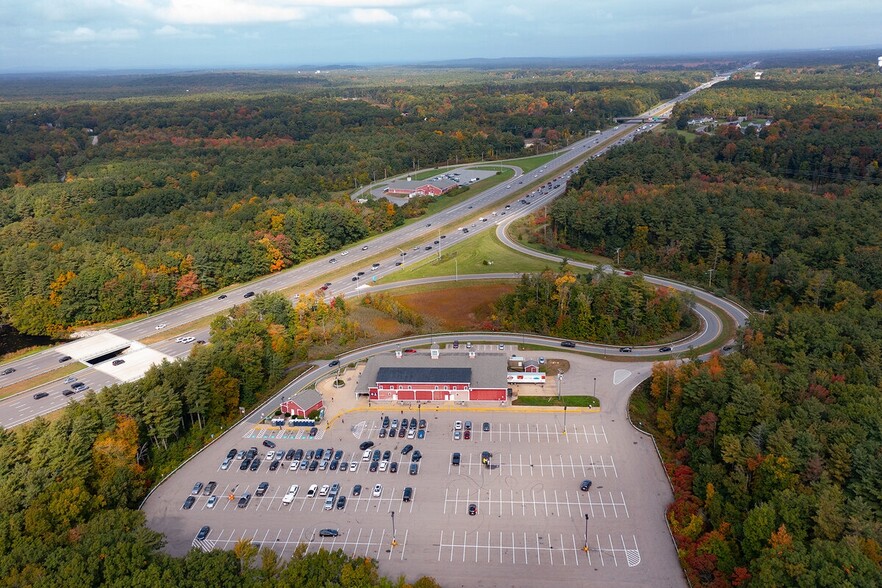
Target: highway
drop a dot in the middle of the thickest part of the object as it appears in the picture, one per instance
(388, 250)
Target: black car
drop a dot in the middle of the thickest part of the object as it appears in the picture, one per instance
(413, 423)
(625, 350)
(313, 432)
(387, 455)
(416, 456)
(665, 349)
(245, 463)
(455, 459)
(485, 427)
(406, 449)
(64, 358)
(203, 533)
(385, 422)
(567, 343)
(473, 509)
(402, 432)
(290, 455)
(68, 392)
(319, 453)
(338, 455)
(40, 395)
(393, 432)
(7, 371)
(248, 295)
(222, 296)
(274, 465)
(382, 434)
(341, 502)
(188, 504)
(262, 488)
(243, 502)
(356, 490)
(313, 465)
(329, 533)
(268, 443)
(232, 453)
(118, 362)
(78, 386)
(366, 445)
(586, 485)
(422, 423)
(334, 465)
(376, 455)
(374, 466)
(334, 363)
(298, 454)
(414, 468)
(393, 467)
(408, 494)
(255, 465)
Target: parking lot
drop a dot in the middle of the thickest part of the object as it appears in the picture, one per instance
(529, 509)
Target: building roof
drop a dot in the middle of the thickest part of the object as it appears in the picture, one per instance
(412, 185)
(306, 399)
(487, 370)
(425, 375)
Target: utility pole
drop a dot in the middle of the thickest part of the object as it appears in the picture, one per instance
(710, 275)
(617, 254)
(585, 549)
(394, 542)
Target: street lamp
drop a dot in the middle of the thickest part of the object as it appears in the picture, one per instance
(585, 549)
(595, 387)
(559, 380)
(394, 542)
(419, 411)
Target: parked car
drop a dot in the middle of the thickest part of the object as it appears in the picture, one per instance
(408, 494)
(275, 465)
(289, 496)
(211, 502)
(485, 427)
(246, 498)
(118, 362)
(373, 467)
(341, 502)
(455, 459)
(255, 465)
(203, 533)
(378, 490)
(406, 449)
(586, 485)
(366, 445)
(416, 456)
(473, 509)
(209, 488)
(393, 467)
(188, 503)
(356, 490)
(197, 488)
(262, 488)
(414, 469)
(329, 533)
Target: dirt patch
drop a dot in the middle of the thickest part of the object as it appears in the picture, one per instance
(467, 307)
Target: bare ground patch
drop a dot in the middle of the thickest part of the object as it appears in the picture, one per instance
(467, 307)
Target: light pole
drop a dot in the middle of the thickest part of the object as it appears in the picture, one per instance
(419, 411)
(595, 387)
(394, 542)
(559, 380)
(585, 549)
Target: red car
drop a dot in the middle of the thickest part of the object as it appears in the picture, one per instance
(410, 350)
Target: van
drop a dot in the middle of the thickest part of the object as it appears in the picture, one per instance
(312, 490)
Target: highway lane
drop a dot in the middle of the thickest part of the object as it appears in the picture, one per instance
(465, 214)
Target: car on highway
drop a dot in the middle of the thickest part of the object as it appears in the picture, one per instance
(203, 533)
(329, 533)
(248, 295)
(79, 386)
(586, 485)
(665, 349)
(8, 371)
(365, 248)
(334, 363)
(189, 502)
(160, 326)
(222, 296)
(68, 392)
(625, 350)
(409, 350)
(118, 362)
(378, 490)
(568, 344)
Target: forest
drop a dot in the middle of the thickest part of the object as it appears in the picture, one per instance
(599, 307)
(774, 450)
(115, 208)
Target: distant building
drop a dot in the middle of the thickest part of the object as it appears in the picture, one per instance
(757, 75)
(880, 61)
(410, 188)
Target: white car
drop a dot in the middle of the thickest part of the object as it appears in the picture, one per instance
(378, 489)
(160, 326)
(226, 464)
(345, 253)
(187, 339)
(353, 466)
(384, 465)
(457, 426)
(289, 496)
(271, 455)
(294, 465)
(324, 490)
(211, 502)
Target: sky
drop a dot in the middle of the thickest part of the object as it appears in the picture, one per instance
(86, 35)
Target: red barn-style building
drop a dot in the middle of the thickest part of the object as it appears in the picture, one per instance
(452, 377)
(303, 404)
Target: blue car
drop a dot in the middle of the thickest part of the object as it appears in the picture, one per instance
(421, 434)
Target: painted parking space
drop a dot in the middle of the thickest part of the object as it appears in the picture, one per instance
(356, 542)
(541, 433)
(537, 548)
(537, 465)
(542, 503)
(262, 432)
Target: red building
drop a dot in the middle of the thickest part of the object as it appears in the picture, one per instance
(451, 377)
(303, 404)
(424, 188)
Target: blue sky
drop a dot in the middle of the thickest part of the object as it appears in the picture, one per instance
(77, 35)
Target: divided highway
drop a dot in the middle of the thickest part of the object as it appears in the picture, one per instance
(389, 250)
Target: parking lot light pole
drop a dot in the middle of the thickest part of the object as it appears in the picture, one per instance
(394, 542)
(585, 549)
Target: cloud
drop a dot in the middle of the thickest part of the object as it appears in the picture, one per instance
(171, 31)
(517, 12)
(213, 12)
(89, 35)
(438, 18)
(371, 16)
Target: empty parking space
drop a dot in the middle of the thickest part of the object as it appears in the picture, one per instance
(536, 503)
(537, 465)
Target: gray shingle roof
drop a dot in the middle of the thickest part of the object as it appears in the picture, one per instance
(428, 375)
